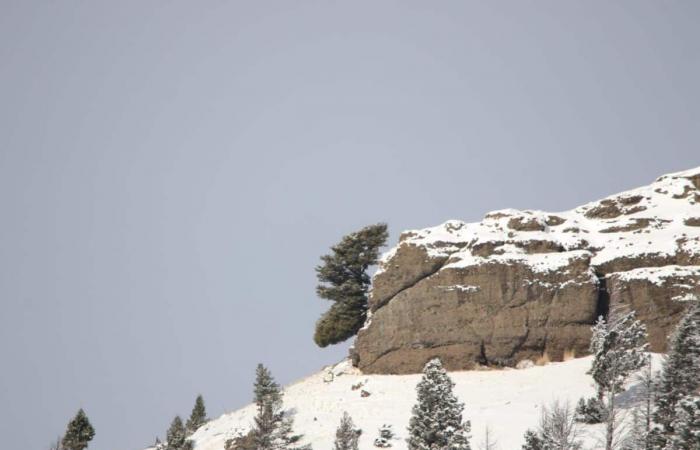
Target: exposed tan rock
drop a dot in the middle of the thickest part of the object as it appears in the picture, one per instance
(410, 264)
(518, 286)
(525, 224)
(553, 221)
(635, 224)
(495, 313)
(692, 221)
(658, 295)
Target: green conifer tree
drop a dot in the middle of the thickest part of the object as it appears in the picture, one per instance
(686, 425)
(436, 421)
(198, 417)
(343, 279)
(680, 372)
(273, 426)
(176, 438)
(79, 432)
(265, 389)
(618, 345)
(346, 436)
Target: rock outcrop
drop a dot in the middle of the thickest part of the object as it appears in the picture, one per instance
(529, 284)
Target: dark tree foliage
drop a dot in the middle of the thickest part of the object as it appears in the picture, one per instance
(686, 425)
(176, 438)
(242, 442)
(532, 441)
(198, 417)
(265, 390)
(590, 411)
(273, 425)
(680, 372)
(343, 279)
(79, 432)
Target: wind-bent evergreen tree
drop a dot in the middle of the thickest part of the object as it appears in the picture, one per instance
(79, 432)
(680, 371)
(346, 436)
(176, 437)
(686, 425)
(343, 279)
(436, 421)
(618, 347)
(198, 417)
(273, 426)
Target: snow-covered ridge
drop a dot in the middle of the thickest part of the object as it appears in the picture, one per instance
(659, 220)
(659, 275)
(507, 401)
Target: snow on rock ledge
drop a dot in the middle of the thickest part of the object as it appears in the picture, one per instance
(537, 280)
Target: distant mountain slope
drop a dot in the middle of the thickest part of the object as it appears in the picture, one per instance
(507, 401)
(521, 284)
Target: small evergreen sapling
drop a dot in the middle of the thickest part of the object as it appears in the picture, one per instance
(489, 442)
(590, 411)
(79, 432)
(346, 436)
(198, 417)
(558, 430)
(436, 421)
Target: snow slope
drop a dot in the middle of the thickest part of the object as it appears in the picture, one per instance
(507, 401)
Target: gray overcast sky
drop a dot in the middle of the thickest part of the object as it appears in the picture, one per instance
(170, 171)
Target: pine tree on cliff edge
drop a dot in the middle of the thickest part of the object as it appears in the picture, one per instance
(343, 279)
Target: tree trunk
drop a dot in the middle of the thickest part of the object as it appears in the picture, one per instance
(610, 427)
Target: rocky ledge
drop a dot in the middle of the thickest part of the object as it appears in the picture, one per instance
(528, 285)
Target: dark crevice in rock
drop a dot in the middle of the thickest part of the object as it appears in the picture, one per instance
(482, 359)
(603, 305)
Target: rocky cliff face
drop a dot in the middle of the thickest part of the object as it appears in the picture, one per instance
(529, 284)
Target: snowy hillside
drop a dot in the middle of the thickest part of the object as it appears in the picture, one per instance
(507, 401)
